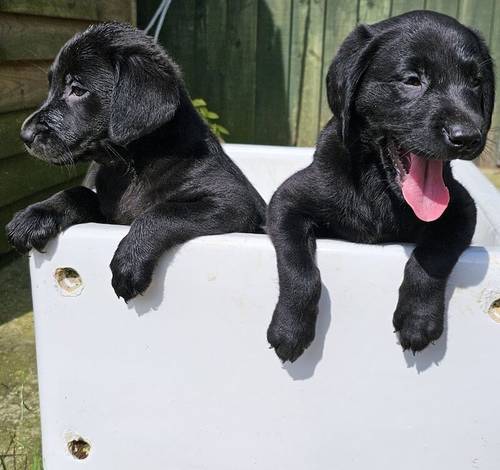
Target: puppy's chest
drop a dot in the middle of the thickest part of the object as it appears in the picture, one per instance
(123, 196)
(365, 218)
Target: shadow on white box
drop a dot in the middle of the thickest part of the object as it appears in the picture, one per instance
(182, 378)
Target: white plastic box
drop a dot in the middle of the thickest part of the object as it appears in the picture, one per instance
(183, 379)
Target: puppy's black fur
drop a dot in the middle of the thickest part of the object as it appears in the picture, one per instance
(419, 84)
(117, 99)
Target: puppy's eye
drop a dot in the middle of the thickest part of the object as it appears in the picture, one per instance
(77, 91)
(412, 81)
(476, 82)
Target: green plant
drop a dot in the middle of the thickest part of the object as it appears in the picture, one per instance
(36, 463)
(210, 117)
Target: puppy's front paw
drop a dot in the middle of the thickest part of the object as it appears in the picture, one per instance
(291, 333)
(131, 275)
(32, 227)
(418, 326)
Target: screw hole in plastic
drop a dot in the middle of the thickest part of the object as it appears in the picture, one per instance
(79, 448)
(69, 281)
(494, 310)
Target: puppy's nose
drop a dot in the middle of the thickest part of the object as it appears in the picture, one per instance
(461, 137)
(30, 130)
(28, 134)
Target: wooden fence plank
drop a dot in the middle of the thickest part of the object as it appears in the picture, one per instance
(371, 11)
(10, 125)
(402, 6)
(212, 75)
(298, 41)
(22, 175)
(23, 84)
(477, 14)
(199, 87)
(118, 10)
(177, 35)
(240, 63)
(341, 17)
(7, 212)
(25, 37)
(305, 70)
(273, 44)
(82, 9)
(310, 103)
(492, 155)
(448, 7)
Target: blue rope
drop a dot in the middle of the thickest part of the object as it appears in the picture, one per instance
(159, 16)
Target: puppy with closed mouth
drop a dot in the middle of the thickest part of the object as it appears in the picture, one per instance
(408, 95)
(116, 99)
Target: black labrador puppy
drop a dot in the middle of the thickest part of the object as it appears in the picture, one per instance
(408, 95)
(117, 99)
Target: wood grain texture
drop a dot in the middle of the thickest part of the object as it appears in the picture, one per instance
(22, 175)
(310, 96)
(477, 14)
(306, 55)
(22, 84)
(340, 21)
(177, 35)
(25, 37)
(10, 125)
(92, 10)
(273, 44)
(402, 6)
(240, 69)
(117, 10)
(371, 11)
(212, 75)
(82, 9)
(448, 7)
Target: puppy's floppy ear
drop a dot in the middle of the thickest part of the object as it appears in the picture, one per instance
(145, 96)
(345, 73)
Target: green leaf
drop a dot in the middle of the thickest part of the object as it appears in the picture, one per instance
(197, 102)
(203, 112)
(212, 115)
(222, 129)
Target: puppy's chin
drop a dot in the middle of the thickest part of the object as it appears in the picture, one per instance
(58, 155)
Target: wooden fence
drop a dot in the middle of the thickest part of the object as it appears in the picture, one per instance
(261, 64)
(31, 33)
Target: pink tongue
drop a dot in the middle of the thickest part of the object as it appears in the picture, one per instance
(424, 189)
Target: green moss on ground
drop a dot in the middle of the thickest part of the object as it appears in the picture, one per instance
(19, 410)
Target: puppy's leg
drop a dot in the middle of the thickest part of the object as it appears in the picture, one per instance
(293, 324)
(34, 226)
(156, 231)
(419, 315)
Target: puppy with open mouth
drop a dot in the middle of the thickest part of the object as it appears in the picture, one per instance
(408, 95)
(116, 99)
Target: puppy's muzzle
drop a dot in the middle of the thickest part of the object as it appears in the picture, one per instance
(31, 129)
